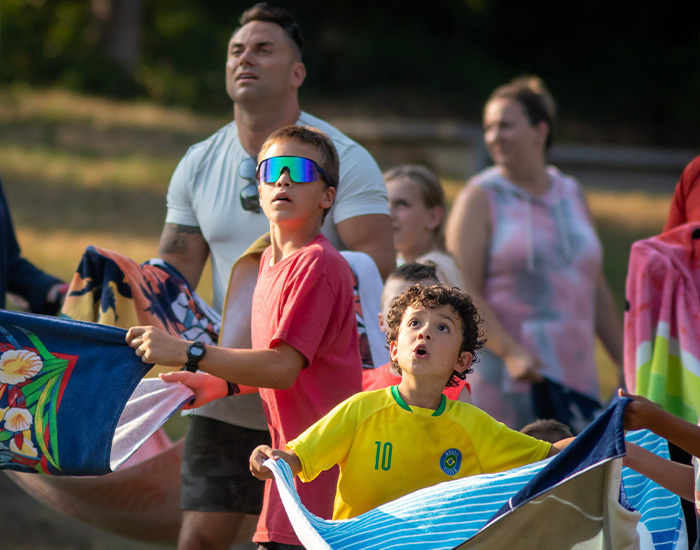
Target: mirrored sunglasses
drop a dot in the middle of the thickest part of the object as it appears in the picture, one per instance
(300, 169)
(250, 199)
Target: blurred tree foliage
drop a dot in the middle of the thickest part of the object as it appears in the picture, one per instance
(629, 70)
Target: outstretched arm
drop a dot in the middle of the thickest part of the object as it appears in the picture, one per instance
(560, 445)
(674, 476)
(205, 387)
(276, 368)
(641, 413)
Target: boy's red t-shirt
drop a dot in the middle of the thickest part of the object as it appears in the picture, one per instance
(306, 301)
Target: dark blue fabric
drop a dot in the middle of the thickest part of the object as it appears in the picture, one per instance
(552, 400)
(16, 273)
(87, 376)
(602, 440)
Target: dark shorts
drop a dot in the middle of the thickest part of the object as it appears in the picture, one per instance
(215, 476)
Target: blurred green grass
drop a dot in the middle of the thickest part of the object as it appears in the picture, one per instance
(82, 170)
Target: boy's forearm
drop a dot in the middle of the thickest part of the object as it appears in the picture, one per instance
(676, 430)
(275, 368)
(560, 445)
(641, 413)
(290, 458)
(679, 432)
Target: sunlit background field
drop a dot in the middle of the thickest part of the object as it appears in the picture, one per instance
(84, 170)
(80, 170)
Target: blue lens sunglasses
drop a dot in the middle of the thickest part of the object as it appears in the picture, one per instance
(300, 169)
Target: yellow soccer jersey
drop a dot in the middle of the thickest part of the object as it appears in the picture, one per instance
(387, 449)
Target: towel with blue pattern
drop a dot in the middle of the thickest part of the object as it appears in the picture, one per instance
(576, 499)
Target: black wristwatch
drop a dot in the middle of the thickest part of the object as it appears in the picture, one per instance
(195, 352)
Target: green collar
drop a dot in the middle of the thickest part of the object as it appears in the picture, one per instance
(397, 397)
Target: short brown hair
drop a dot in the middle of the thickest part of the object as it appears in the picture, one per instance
(412, 273)
(549, 430)
(263, 11)
(534, 98)
(433, 297)
(318, 140)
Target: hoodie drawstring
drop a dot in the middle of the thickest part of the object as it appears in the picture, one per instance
(561, 224)
(559, 219)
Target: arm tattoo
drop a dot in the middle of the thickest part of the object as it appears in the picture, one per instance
(177, 241)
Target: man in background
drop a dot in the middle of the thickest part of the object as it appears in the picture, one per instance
(213, 209)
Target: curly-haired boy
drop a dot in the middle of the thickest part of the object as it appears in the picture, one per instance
(393, 441)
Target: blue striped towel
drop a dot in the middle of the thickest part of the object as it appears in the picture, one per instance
(575, 499)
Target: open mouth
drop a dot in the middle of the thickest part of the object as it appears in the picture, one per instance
(420, 351)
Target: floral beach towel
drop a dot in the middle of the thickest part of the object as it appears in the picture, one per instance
(64, 388)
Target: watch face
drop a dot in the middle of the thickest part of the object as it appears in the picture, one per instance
(196, 350)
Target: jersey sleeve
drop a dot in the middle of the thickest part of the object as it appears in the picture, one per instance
(328, 441)
(361, 190)
(499, 448)
(179, 199)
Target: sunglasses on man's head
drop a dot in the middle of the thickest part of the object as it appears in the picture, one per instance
(300, 169)
(250, 200)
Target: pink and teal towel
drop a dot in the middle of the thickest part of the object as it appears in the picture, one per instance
(662, 321)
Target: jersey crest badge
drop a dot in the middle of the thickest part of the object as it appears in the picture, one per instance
(451, 461)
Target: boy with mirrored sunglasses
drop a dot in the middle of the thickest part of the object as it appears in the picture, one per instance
(305, 357)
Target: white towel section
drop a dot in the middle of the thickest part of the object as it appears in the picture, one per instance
(370, 288)
(151, 404)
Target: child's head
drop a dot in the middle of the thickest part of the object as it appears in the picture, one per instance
(300, 144)
(417, 207)
(549, 430)
(404, 276)
(434, 297)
